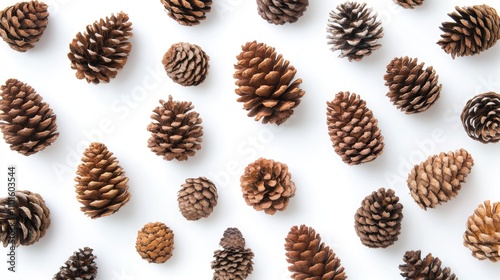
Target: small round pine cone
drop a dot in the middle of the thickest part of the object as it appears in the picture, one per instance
(266, 185)
(197, 198)
(481, 117)
(81, 265)
(187, 12)
(482, 234)
(281, 11)
(233, 261)
(409, 4)
(416, 268)
(186, 64)
(155, 242)
(232, 239)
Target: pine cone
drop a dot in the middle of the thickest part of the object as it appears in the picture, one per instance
(353, 129)
(27, 214)
(99, 53)
(411, 88)
(155, 242)
(354, 30)
(281, 11)
(187, 12)
(28, 124)
(265, 86)
(101, 184)
(186, 64)
(81, 265)
(309, 258)
(175, 131)
(416, 268)
(473, 30)
(438, 179)
(234, 261)
(481, 117)
(22, 25)
(267, 185)
(232, 239)
(409, 4)
(482, 235)
(197, 198)
(378, 221)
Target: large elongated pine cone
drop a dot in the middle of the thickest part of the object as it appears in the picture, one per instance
(101, 184)
(473, 30)
(281, 11)
(81, 265)
(186, 64)
(265, 85)
(24, 219)
(22, 25)
(234, 261)
(197, 198)
(481, 117)
(187, 12)
(482, 234)
(102, 50)
(155, 242)
(309, 258)
(409, 4)
(353, 129)
(438, 179)
(28, 124)
(176, 131)
(416, 268)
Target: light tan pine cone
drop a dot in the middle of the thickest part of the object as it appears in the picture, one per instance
(482, 234)
(81, 265)
(234, 261)
(281, 11)
(186, 64)
(197, 198)
(409, 4)
(187, 12)
(481, 117)
(416, 268)
(155, 242)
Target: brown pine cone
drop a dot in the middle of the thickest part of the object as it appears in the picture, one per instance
(102, 50)
(101, 184)
(438, 179)
(481, 117)
(197, 198)
(281, 11)
(353, 129)
(354, 30)
(412, 89)
(265, 86)
(232, 239)
(409, 4)
(22, 25)
(309, 258)
(175, 131)
(186, 64)
(267, 185)
(155, 242)
(187, 12)
(27, 214)
(81, 265)
(234, 261)
(416, 268)
(473, 30)
(482, 235)
(378, 221)
(28, 124)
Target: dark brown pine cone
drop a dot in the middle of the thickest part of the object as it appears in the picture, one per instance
(155, 242)
(99, 53)
(233, 261)
(281, 11)
(101, 184)
(186, 64)
(176, 131)
(409, 4)
(28, 124)
(416, 268)
(438, 179)
(481, 117)
(265, 86)
(412, 89)
(27, 213)
(22, 25)
(197, 198)
(482, 235)
(81, 265)
(354, 30)
(473, 30)
(353, 129)
(267, 185)
(309, 258)
(378, 221)
(187, 12)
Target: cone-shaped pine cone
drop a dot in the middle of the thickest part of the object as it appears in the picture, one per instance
(197, 198)
(99, 53)
(22, 25)
(187, 12)
(267, 185)
(378, 221)
(354, 30)
(281, 11)
(416, 268)
(265, 86)
(81, 265)
(309, 258)
(353, 129)
(438, 179)
(101, 184)
(233, 261)
(176, 131)
(155, 242)
(24, 218)
(481, 117)
(473, 30)
(482, 235)
(409, 4)
(412, 88)
(28, 124)
(232, 239)
(186, 64)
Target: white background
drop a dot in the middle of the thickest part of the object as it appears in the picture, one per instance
(328, 191)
